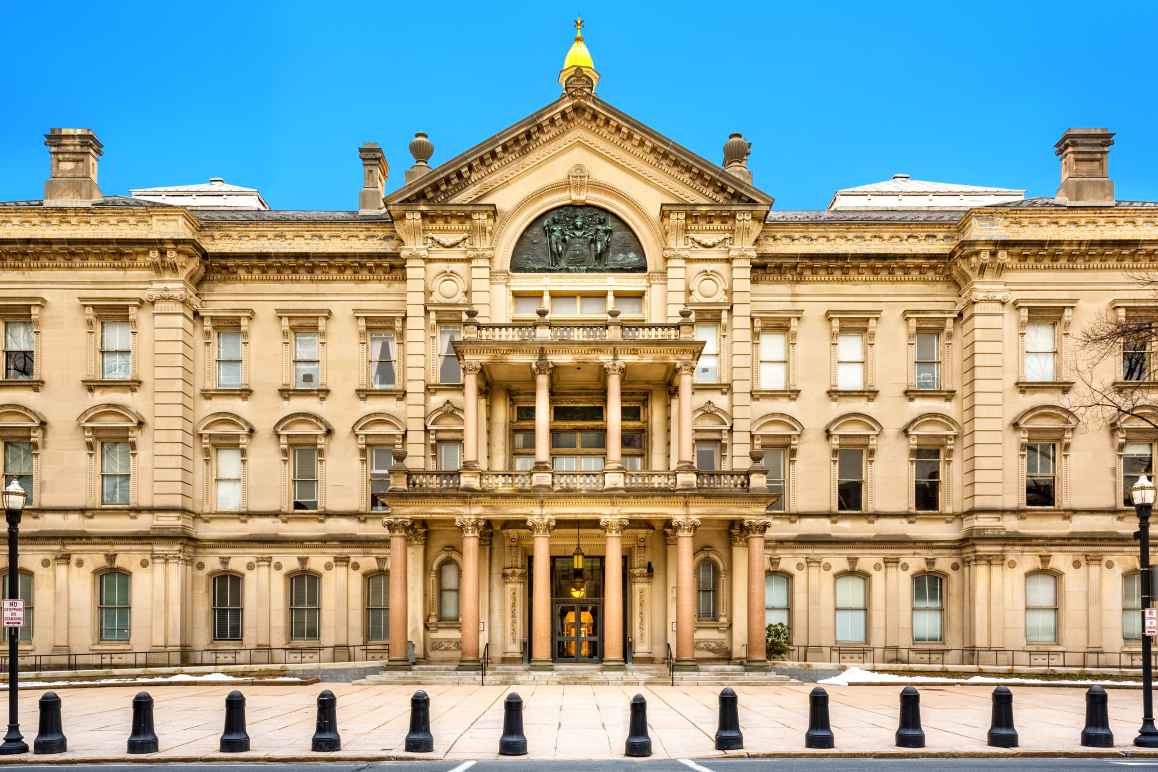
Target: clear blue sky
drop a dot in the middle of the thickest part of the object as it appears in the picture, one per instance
(278, 95)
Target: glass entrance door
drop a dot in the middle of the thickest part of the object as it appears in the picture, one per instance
(578, 632)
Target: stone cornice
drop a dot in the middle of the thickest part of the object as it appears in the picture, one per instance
(305, 267)
(312, 238)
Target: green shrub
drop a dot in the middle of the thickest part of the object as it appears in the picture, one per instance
(776, 640)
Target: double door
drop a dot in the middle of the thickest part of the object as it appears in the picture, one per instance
(578, 631)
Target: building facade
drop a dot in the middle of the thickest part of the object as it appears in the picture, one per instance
(401, 429)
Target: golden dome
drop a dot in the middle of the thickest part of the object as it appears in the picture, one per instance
(578, 56)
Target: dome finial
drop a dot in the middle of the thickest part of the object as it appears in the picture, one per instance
(578, 73)
(578, 27)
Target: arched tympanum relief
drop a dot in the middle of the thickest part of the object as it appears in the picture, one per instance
(578, 239)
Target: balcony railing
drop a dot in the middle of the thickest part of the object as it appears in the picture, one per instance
(577, 481)
(654, 480)
(497, 481)
(566, 332)
(433, 480)
(725, 480)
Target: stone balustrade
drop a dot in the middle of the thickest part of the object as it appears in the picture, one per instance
(517, 332)
(494, 481)
(433, 480)
(580, 481)
(651, 480)
(724, 480)
(577, 481)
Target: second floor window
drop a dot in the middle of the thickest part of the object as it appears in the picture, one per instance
(1137, 460)
(307, 368)
(928, 361)
(18, 467)
(708, 455)
(927, 479)
(708, 368)
(850, 362)
(19, 350)
(1040, 351)
(305, 482)
(228, 359)
(448, 456)
(449, 369)
(850, 479)
(227, 485)
(381, 459)
(1136, 359)
(1040, 475)
(116, 472)
(774, 463)
(116, 350)
(773, 360)
(383, 356)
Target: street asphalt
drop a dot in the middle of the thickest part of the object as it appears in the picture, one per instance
(659, 765)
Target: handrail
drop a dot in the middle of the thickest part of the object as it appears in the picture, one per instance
(486, 658)
(670, 665)
(981, 656)
(210, 657)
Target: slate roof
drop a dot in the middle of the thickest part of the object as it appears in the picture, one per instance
(867, 215)
(285, 215)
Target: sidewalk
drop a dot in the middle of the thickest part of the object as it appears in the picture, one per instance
(568, 722)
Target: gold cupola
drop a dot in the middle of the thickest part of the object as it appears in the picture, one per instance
(578, 66)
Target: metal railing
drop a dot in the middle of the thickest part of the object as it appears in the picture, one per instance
(289, 655)
(970, 656)
(670, 664)
(486, 660)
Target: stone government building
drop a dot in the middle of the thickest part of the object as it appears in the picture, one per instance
(245, 428)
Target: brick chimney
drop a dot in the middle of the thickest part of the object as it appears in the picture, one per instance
(73, 181)
(1085, 168)
(374, 173)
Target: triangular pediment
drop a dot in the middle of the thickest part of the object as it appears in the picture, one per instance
(468, 177)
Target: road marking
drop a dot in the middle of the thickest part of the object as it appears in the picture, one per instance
(1135, 763)
(693, 765)
(463, 767)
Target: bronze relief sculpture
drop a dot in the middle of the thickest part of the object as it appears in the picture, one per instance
(578, 239)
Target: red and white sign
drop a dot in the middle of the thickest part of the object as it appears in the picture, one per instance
(1150, 621)
(13, 613)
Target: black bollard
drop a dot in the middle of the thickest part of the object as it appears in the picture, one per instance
(638, 741)
(1096, 733)
(728, 734)
(819, 734)
(50, 738)
(909, 733)
(234, 739)
(326, 737)
(143, 738)
(513, 742)
(1001, 731)
(419, 739)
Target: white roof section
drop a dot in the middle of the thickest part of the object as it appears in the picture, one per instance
(903, 192)
(215, 194)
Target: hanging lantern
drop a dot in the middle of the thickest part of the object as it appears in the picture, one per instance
(578, 581)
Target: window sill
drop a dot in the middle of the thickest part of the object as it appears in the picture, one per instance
(439, 624)
(721, 386)
(21, 383)
(1059, 386)
(1135, 386)
(776, 393)
(1044, 647)
(866, 394)
(437, 387)
(312, 644)
(93, 384)
(287, 392)
(112, 646)
(243, 392)
(393, 391)
(945, 394)
(226, 645)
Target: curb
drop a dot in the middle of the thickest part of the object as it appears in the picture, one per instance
(161, 682)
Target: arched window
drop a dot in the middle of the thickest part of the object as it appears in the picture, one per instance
(305, 607)
(928, 608)
(24, 588)
(707, 589)
(114, 606)
(448, 591)
(227, 607)
(851, 608)
(1132, 606)
(777, 606)
(1040, 608)
(378, 607)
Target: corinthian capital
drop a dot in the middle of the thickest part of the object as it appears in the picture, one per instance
(471, 526)
(397, 526)
(686, 368)
(472, 367)
(540, 526)
(613, 526)
(756, 527)
(614, 368)
(541, 367)
(685, 526)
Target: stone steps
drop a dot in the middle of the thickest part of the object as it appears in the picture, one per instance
(641, 675)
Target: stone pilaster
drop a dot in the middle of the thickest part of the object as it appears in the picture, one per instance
(173, 383)
(983, 395)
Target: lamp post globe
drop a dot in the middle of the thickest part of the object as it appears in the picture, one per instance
(14, 497)
(1142, 494)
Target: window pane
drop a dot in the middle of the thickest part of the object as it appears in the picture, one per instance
(228, 495)
(773, 375)
(850, 592)
(1039, 367)
(116, 365)
(927, 375)
(850, 626)
(229, 463)
(708, 368)
(631, 440)
(449, 456)
(927, 347)
(710, 335)
(593, 305)
(1039, 338)
(850, 463)
(1041, 625)
(18, 336)
(18, 458)
(381, 459)
(305, 463)
(776, 591)
(567, 305)
(629, 305)
(850, 348)
(449, 370)
(524, 440)
(850, 376)
(576, 412)
(115, 336)
(382, 357)
(927, 625)
(707, 456)
(526, 305)
(306, 345)
(228, 374)
(1041, 590)
(229, 345)
(773, 347)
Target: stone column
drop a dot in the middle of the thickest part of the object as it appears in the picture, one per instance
(685, 469)
(541, 477)
(415, 581)
(813, 611)
(738, 541)
(996, 601)
(541, 599)
(470, 477)
(175, 601)
(469, 598)
(1094, 602)
(158, 574)
(499, 456)
(398, 528)
(613, 592)
(757, 656)
(614, 477)
(61, 604)
(980, 602)
(685, 530)
(341, 600)
(892, 601)
(263, 600)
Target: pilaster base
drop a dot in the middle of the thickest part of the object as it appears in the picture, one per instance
(686, 666)
(542, 664)
(398, 664)
(685, 480)
(613, 665)
(541, 480)
(469, 665)
(757, 665)
(470, 479)
(614, 480)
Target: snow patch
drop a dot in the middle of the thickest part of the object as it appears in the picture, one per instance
(856, 675)
(159, 680)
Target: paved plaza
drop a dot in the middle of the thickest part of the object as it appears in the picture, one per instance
(568, 722)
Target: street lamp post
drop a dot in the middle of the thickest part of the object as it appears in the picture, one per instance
(1143, 496)
(13, 506)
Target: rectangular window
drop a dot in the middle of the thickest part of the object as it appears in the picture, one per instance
(115, 473)
(449, 456)
(381, 459)
(305, 607)
(449, 370)
(1040, 608)
(590, 305)
(773, 360)
(116, 350)
(227, 608)
(18, 467)
(928, 609)
(927, 362)
(708, 368)
(851, 609)
(706, 590)
(378, 607)
(629, 305)
(1040, 475)
(383, 356)
(19, 350)
(776, 605)
(524, 463)
(115, 611)
(564, 305)
(927, 479)
(228, 482)
(774, 462)
(850, 479)
(1040, 351)
(1137, 460)
(305, 479)
(850, 361)
(307, 366)
(448, 591)
(1136, 360)
(576, 413)
(527, 305)
(577, 463)
(1132, 606)
(228, 359)
(708, 455)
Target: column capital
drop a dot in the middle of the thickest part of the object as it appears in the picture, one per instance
(891, 561)
(686, 368)
(397, 526)
(1094, 560)
(264, 560)
(542, 367)
(471, 367)
(471, 526)
(614, 368)
(685, 526)
(613, 526)
(417, 534)
(341, 560)
(756, 527)
(541, 526)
